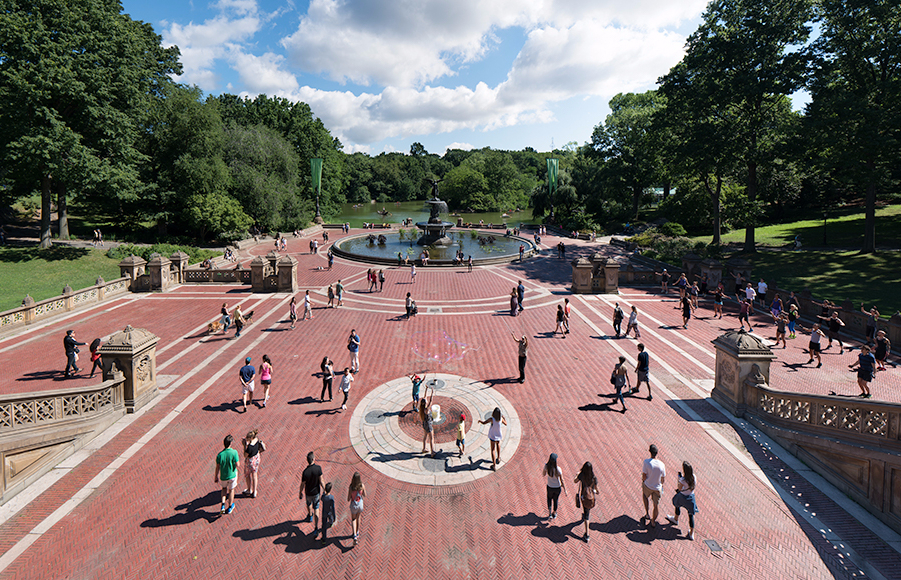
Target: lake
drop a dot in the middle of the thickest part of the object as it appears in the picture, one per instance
(358, 214)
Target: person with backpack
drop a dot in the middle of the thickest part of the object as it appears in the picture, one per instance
(620, 379)
(328, 512)
(585, 493)
(95, 358)
(618, 316)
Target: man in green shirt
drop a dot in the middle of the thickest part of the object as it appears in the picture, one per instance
(227, 463)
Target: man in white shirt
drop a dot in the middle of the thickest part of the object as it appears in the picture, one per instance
(761, 291)
(750, 295)
(653, 475)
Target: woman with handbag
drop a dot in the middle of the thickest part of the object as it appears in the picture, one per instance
(685, 498)
(585, 495)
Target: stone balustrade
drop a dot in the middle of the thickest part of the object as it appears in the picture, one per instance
(69, 300)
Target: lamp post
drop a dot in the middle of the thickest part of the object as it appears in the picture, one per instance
(824, 227)
(316, 167)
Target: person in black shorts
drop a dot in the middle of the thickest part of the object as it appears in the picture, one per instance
(834, 324)
(311, 485)
(744, 307)
(664, 281)
(814, 346)
(866, 370)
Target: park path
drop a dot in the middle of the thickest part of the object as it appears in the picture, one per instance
(143, 504)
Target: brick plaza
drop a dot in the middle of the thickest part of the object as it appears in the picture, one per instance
(141, 503)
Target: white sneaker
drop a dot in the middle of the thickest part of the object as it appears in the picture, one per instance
(343, 406)
(691, 535)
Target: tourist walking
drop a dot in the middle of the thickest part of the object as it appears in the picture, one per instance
(328, 512)
(687, 307)
(408, 305)
(620, 378)
(226, 320)
(469, 264)
(561, 318)
(247, 373)
(331, 297)
(412, 273)
(238, 318)
(633, 322)
(586, 492)
(71, 347)
(520, 293)
(494, 435)
(866, 370)
(381, 280)
(883, 348)
(813, 346)
(253, 448)
(685, 498)
(226, 474)
(311, 487)
(346, 381)
(353, 345)
(96, 361)
(328, 376)
(872, 323)
(554, 476)
(266, 378)
(355, 495)
(643, 370)
(425, 415)
(834, 324)
(339, 293)
(523, 343)
(373, 280)
(567, 310)
(292, 311)
(307, 306)
(514, 303)
(331, 259)
(653, 476)
(618, 316)
(461, 434)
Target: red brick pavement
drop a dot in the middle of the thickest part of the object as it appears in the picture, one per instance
(156, 516)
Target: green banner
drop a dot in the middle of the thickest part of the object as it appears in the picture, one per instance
(551, 176)
(316, 165)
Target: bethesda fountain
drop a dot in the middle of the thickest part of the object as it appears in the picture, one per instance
(435, 230)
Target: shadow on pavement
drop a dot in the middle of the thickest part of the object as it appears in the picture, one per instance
(193, 512)
(222, 407)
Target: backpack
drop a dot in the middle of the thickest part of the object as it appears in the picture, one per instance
(587, 497)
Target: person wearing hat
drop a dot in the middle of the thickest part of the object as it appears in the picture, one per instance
(71, 345)
(247, 374)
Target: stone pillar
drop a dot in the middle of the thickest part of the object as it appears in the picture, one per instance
(739, 355)
(133, 352)
(581, 276)
(272, 258)
(158, 268)
(287, 274)
(258, 273)
(714, 270)
(611, 277)
(132, 267)
(100, 283)
(691, 264)
(179, 264)
(28, 303)
(67, 296)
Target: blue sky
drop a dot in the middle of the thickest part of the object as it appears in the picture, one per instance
(382, 74)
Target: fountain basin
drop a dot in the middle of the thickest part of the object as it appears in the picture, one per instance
(504, 249)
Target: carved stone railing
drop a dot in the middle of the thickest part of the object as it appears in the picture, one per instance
(70, 300)
(38, 430)
(210, 276)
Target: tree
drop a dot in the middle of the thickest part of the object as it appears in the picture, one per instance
(75, 78)
(629, 146)
(856, 96)
(734, 78)
(465, 187)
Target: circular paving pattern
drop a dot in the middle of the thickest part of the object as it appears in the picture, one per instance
(388, 436)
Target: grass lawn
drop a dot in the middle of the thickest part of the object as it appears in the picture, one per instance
(844, 229)
(44, 273)
(838, 276)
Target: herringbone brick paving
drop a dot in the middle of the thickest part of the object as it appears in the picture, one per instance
(157, 515)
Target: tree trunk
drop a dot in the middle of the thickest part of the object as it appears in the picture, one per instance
(62, 210)
(869, 226)
(636, 200)
(715, 205)
(750, 245)
(666, 189)
(46, 182)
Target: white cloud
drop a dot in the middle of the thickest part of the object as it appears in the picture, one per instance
(456, 145)
(264, 75)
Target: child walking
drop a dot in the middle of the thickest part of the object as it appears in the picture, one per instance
(461, 434)
(328, 512)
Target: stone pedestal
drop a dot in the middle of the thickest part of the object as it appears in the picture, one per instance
(272, 259)
(179, 262)
(714, 271)
(610, 271)
(581, 276)
(287, 274)
(133, 352)
(740, 356)
(158, 269)
(258, 272)
(132, 267)
(691, 263)
(740, 266)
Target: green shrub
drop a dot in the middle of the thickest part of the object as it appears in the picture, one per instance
(146, 252)
(671, 229)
